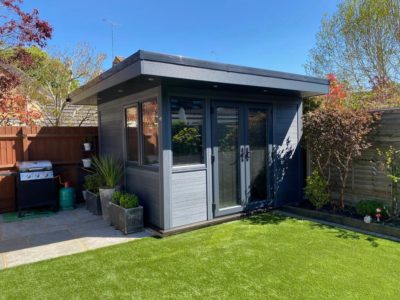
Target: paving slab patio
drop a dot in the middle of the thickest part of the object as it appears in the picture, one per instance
(64, 233)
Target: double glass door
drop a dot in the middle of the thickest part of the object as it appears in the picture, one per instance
(240, 134)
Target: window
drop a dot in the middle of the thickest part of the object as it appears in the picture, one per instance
(150, 132)
(141, 132)
(187, 131)
(132, 137)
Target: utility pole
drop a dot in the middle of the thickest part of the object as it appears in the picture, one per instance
(113, 25)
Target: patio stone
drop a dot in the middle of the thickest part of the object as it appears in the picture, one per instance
(34, 254)
(13, 245)
(2, 260)
(50, 238)
(64, 233)
(81, 228)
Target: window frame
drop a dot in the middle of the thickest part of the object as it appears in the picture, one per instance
(192, 166)
(138, 104)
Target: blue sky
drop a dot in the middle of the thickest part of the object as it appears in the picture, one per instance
(271, 34)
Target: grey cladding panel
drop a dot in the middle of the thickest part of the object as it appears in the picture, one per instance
(188, 198)
(111, 128)
(145, 184)
(287, 153)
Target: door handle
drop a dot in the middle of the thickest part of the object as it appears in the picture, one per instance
(241, 153)
(247, 155)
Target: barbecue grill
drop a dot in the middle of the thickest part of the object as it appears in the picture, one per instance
(36, 185)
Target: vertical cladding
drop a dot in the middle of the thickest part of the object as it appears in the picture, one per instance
(145, 183)
(287, 152)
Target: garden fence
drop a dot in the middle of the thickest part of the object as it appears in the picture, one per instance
(367, 179)
(61, 145)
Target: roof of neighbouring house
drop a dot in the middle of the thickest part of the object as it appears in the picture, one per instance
(179, 67)
(73, 115)
(117, 60)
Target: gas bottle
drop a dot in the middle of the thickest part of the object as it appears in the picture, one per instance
(67, 197)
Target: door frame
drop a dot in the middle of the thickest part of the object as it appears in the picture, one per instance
(244, 170)
(217, 211)
(270, 162)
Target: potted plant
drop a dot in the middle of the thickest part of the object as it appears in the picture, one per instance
(91, 186)
(110, 170)
(125, 213)
(87, 144)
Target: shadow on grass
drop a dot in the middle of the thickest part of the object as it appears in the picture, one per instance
(345, 234)
(265, 218)
(275, 219)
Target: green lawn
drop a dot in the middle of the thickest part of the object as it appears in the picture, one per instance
(263, 257)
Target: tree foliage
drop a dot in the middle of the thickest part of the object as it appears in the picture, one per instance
(19, 28)
(391, 166)
(360, 43)
(51, 77)
(336, 134)
(317, 189)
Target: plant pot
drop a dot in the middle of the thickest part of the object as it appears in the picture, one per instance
(87, 162)
(87, 146)
(105, 198)
(127, 220)
(93, 203)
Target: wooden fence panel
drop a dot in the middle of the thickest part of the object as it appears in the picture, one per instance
(367, 180)
(61, 145)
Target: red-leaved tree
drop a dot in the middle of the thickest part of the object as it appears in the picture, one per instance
(335, 135)
(18, 28)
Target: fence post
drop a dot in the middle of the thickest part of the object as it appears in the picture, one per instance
(25, 143)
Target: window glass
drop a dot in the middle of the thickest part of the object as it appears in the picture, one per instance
(150, 132)
(132, 146)
(187, 131)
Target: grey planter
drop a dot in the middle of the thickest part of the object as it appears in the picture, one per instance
(105, 199)
(127, 220)
(93, 203)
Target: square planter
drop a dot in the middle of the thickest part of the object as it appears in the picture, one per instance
(93, 203)
(127, 220)
(105, 200)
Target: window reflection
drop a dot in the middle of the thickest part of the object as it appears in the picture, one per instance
(150, 132)
(187, 131)
(131, 117)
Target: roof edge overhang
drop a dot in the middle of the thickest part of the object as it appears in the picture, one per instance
(178, 67)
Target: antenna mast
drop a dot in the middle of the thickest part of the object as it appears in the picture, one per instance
(113, 25)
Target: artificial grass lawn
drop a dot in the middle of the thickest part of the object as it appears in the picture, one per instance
(263, 257)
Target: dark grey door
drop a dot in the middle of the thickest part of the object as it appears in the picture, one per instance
(240, 155)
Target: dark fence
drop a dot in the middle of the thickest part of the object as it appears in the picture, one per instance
(63, 146)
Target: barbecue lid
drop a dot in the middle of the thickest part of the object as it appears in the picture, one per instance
(37, 165)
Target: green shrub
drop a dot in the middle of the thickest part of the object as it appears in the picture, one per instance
(317, 189)
(368, 207)
(116, 197)
(125, 200)
(93, 182)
